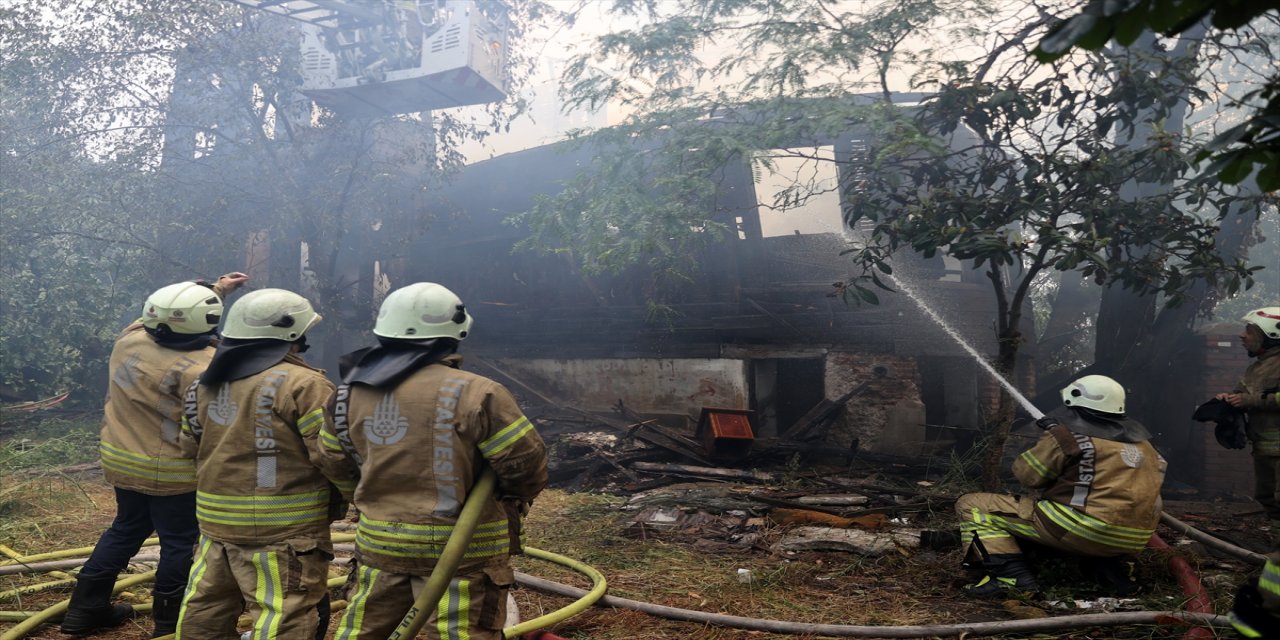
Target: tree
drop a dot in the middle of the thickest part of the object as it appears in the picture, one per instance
(1235, 151)
(1005, 166)
(155, 143)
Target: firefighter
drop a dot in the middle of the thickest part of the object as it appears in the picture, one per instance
(1099, 480)
(1256, 613)
(252, 422)
(420, 430)
(152, 362)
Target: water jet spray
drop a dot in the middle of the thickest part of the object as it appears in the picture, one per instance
(1026, 404)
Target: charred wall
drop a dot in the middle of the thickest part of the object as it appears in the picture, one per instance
(1195, 457)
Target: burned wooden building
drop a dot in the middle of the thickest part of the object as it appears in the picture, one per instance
(762, 328)
(759, 329)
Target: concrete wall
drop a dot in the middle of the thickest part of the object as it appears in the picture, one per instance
(645, 385)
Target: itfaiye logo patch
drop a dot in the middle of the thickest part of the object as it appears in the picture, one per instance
(223, 409)
(386, 425)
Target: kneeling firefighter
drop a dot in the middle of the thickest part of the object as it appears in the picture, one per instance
(252, 422)
(420, 430)
(1099, 480)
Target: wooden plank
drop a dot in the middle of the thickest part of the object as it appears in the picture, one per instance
(714, 472)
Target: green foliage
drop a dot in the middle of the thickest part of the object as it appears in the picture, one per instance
(56, 443)
(651, 206)
(1265, 250)
(1046, 205)
(1240, 150)
(1005, 166)
(648, 198)
(70, 283)
(144, 145)
(1080, 166)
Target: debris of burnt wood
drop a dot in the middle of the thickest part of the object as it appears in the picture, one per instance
(682, 490)
(627, 452)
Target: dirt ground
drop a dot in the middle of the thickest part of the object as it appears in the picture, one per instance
(694, 569)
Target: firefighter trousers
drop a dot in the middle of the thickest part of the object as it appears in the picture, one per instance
(998, 520)
(473, 608)
(173, 518)
(1266, 490)
(279, 584)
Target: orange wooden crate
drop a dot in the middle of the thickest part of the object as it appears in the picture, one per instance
(725, 433)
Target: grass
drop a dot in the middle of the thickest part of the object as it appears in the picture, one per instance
(829, 588)
(48, 445)
(40, 505)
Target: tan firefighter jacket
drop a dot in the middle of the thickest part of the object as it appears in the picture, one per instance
(256, 442)
(139, 448)
(1260, 388)
(1104, 491)
(419, 448)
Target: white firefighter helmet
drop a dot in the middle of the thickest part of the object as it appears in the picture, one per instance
(1099, 393)
(184, 307)
(270, 313)
(422, 310)
(1267, 319)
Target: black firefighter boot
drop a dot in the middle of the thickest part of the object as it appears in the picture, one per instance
(90, 608)
(325, 609)
(1250, 617)
(1006, 573)
(1116, 574)
(165, 608)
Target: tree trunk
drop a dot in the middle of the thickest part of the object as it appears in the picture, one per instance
(1125, 319)
(1006, 407)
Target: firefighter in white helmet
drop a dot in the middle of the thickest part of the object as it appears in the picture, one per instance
(1099, 481)
(152, 362)
(420, 430)
(252, 423)
(1257, 607)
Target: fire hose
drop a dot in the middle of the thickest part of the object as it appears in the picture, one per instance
(450, 557)
(452, 554)
(1199, 614)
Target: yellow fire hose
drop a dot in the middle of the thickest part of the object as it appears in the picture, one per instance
(598, 587)
(428, 600)
(19, 558)
(64, 553)
(34, 588)
(451, 557)
(38, 619)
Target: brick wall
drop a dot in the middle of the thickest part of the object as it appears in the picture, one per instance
(1222, 471)
(867, 415)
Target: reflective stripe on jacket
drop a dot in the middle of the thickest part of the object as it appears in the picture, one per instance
(1260, 388)
(425, 542)
(139, 448)
(419, 448)
(1099, 490)
(256, 443)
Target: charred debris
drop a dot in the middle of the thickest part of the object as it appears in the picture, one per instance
(714, 484)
